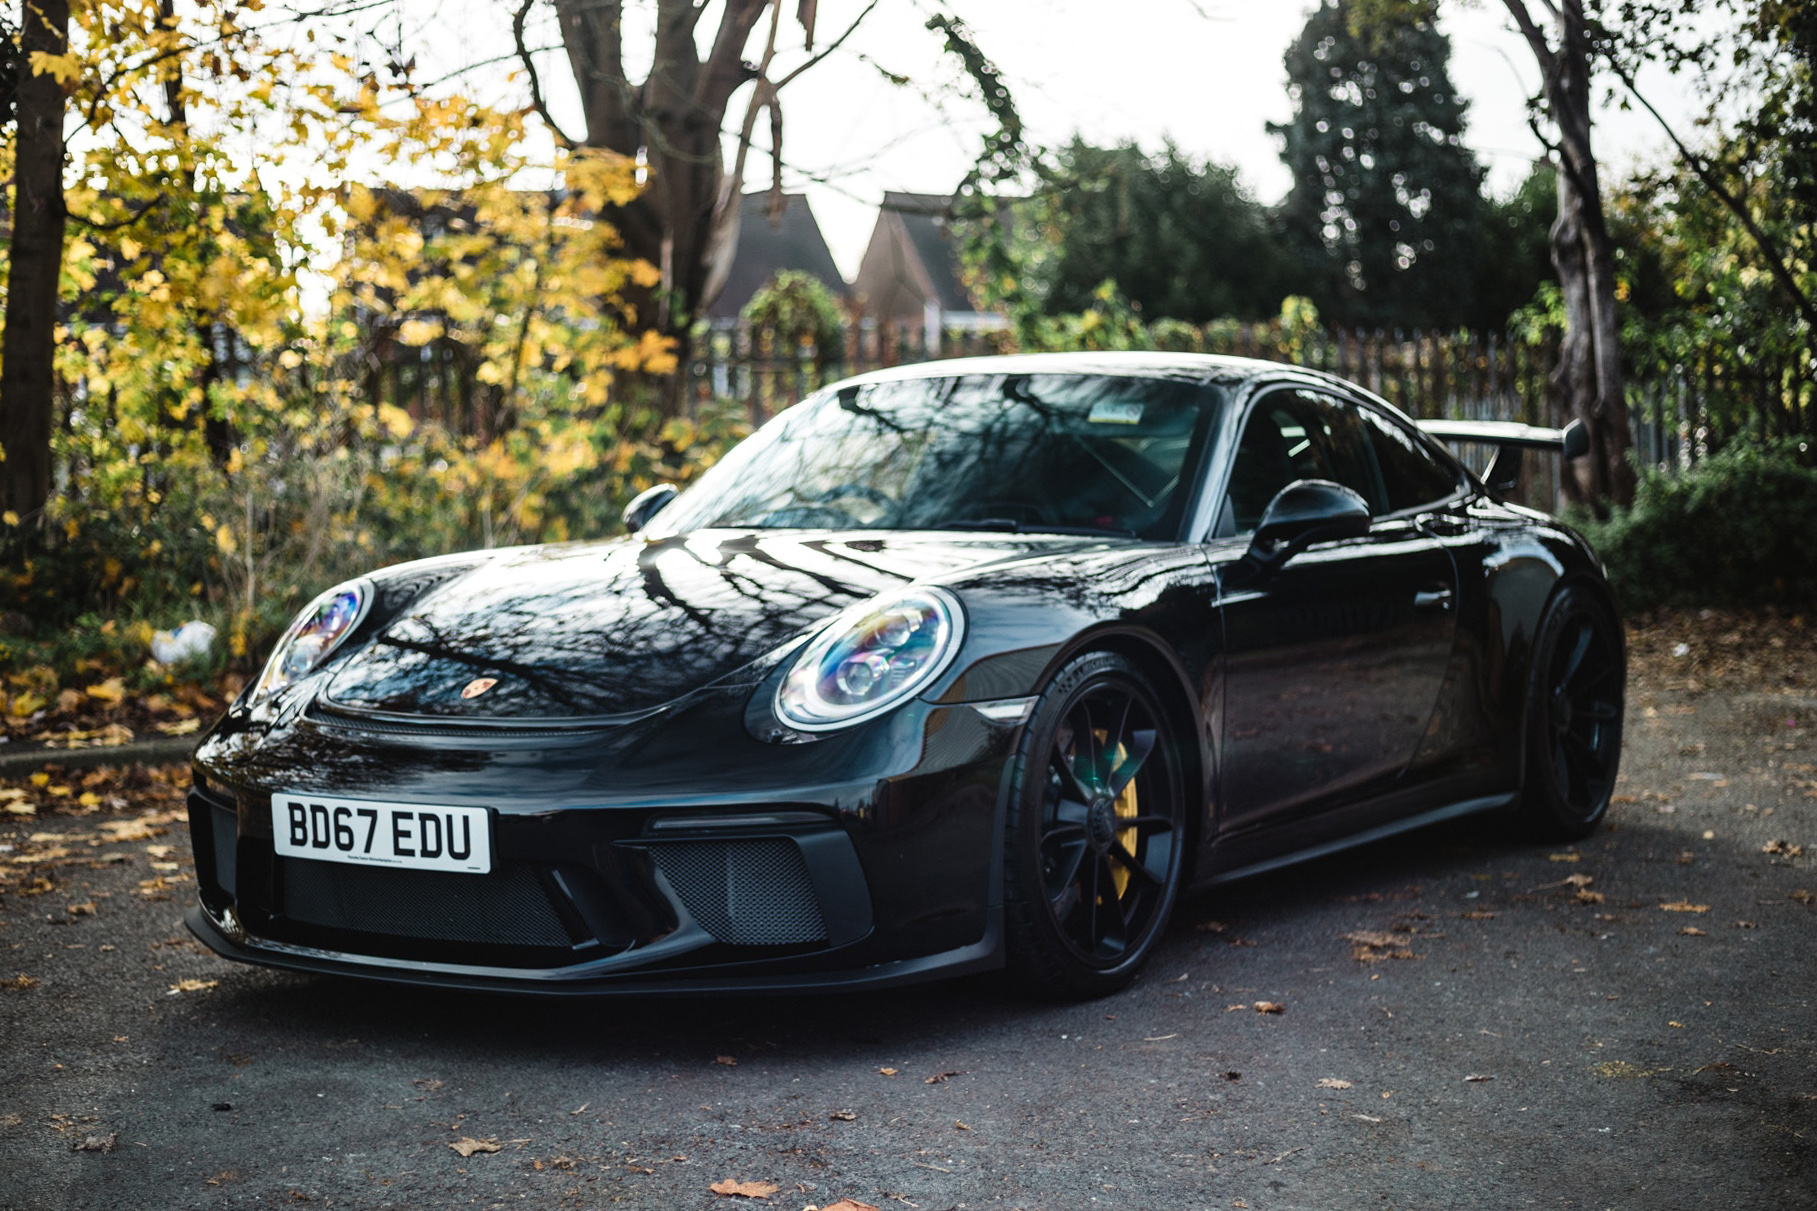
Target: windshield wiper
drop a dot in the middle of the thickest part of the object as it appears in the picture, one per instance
(1010, 525)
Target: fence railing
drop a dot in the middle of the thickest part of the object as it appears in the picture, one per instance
(1678, 413)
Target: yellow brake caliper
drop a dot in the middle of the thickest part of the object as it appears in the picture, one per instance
(1127, 809)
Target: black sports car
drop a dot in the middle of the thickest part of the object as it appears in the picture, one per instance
(947, 667)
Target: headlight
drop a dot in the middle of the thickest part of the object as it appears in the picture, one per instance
(316, 633)
(872, 657)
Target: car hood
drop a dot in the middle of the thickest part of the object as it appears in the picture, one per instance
(590, 631)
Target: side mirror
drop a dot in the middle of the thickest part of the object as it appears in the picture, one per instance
(1304, 512)
(645, 505)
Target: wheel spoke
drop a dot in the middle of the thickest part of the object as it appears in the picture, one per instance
(1601, 712)
(1136, 749)
(1123, 855)
(1585, 632)
(1071, 786)
(1067, 848)
(1087, 738)
(1113, 924)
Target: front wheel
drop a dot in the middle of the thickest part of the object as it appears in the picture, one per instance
(1095, 832)
(1574, 716)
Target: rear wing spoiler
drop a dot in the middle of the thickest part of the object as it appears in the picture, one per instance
(1510, 438)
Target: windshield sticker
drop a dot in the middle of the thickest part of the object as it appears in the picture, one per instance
(1115, 414)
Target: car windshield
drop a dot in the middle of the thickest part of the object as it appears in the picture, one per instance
(1053, 453)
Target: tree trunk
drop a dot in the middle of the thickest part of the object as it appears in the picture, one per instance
(673, 120)
(1588, 382)
(27, 371)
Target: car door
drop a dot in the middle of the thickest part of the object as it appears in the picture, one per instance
(1334, 660)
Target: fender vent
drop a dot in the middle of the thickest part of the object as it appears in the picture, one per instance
(744, 892)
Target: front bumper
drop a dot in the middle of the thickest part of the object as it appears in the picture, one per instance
(628, 862)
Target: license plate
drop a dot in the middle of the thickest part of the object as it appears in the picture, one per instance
(414, 836)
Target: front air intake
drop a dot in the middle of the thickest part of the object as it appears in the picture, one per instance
(752, 892)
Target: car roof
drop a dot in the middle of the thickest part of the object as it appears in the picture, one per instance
(1186, 367)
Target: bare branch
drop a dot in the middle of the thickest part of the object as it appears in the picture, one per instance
(536, 85)
(832, 46)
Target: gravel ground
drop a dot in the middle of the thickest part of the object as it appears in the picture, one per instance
(1462, 1020)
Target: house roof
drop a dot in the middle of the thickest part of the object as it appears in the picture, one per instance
(794, 242)
(927, 222)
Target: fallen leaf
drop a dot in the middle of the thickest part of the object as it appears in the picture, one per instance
(843, 1116)
(848, 1204)
(467, 1146)
(181, 727)
(1478, 915)
(1579, 881)
(1564, 857)
(81, 910)
(959, 1126)
(1585, 896)
(20, 981)
(112, 691)
(427, 1082)
(737, 1189)
(191, 985)
(1684, 906)
(1803, 896)
(940, 1078)
(1270, 1007)
(1364, 937)
(887, 1071)
(1211, 927)
(1691, 931)
(1783, 847)
(1477, 1076)
(727, 1060)
(1331, 1082)
(96, 1143)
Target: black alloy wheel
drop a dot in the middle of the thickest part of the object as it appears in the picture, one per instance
(1096, 831)
(1574, 717)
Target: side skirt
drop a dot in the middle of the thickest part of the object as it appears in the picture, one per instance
(1452, 811)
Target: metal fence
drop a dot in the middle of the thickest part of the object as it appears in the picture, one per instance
(1678, 412)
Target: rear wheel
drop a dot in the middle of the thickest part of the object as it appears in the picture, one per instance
(1096, 831)
(1574, 717)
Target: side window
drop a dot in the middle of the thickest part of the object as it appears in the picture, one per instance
(1298, 435)
(1412, 474)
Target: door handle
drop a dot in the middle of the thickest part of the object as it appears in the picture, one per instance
(1426, 599)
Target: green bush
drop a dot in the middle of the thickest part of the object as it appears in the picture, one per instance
(1738, 529)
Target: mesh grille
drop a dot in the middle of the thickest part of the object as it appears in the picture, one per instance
(507, 907)
(744, 893)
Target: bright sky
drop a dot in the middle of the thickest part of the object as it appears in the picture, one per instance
(1207, 74)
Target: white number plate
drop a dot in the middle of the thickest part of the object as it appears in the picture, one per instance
(412, 835)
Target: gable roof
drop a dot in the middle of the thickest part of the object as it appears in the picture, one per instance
(794, 242)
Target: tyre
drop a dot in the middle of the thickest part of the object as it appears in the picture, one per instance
(1096, 831)
(1574, 716)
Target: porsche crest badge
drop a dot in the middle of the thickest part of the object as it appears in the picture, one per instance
(478, 686)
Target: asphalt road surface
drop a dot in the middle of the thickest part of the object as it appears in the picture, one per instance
(1463, 1021)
